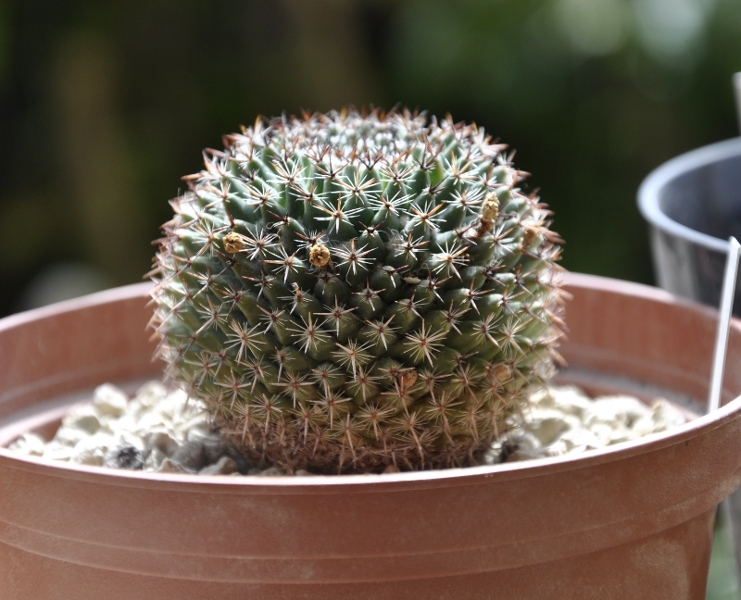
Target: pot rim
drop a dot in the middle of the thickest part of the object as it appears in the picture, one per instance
(417, 479)
(648, 192)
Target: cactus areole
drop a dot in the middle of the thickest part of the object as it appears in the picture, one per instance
(349, 291)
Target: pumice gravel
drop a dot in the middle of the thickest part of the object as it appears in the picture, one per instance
(165, 431)
(564, 420)
(157, 430)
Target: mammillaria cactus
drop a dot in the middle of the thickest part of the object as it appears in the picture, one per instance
(355, 290)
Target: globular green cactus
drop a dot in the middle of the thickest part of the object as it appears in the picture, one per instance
(355, 290)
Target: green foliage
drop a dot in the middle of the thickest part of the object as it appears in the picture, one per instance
(350, 291)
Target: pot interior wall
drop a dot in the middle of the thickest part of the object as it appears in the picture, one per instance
(622, 338)
(706, 198)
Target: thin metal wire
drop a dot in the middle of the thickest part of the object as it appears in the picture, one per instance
(737, 91)
(724, 322)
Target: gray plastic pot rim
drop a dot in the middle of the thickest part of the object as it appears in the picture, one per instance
(648, 193)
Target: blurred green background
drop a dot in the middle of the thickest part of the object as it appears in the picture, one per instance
(105, 105)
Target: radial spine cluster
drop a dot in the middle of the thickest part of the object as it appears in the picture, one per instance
(349, 291)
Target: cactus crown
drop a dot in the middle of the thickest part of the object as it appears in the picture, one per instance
(348, 291)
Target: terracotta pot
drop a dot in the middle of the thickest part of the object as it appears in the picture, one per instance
(632, 521)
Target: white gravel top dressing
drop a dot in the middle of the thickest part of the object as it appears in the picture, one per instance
(165, 431)
(564, 420)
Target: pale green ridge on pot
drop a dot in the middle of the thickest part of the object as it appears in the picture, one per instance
(349, 291)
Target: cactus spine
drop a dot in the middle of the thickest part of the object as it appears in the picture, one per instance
(348, 291)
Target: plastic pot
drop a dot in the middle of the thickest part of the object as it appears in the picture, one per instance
(693, 205)
(631, 521)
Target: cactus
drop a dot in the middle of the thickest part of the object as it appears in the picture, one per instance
(349, 291)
